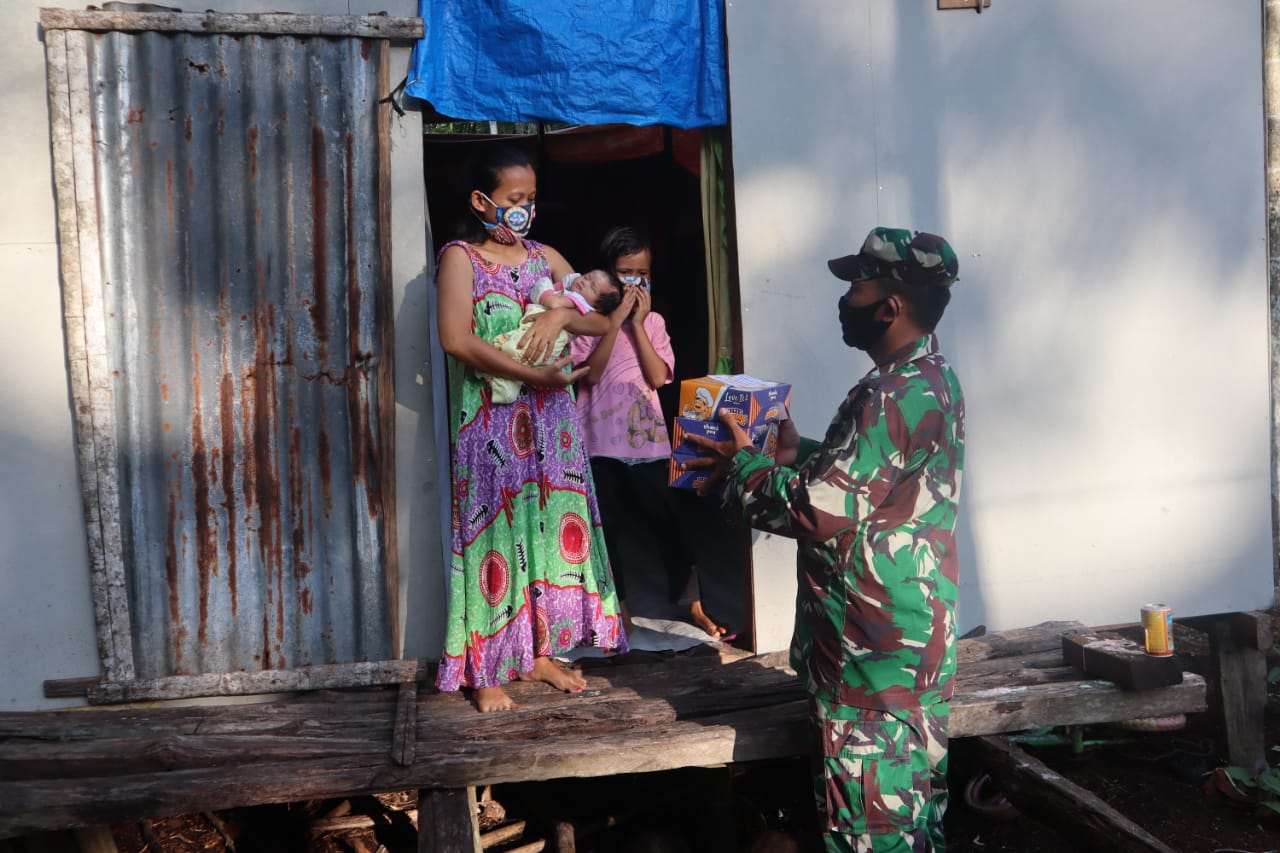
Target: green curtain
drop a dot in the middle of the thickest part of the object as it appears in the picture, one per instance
(715, 230)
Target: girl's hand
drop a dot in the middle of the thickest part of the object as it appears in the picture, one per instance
(620, 314)
(540, 340)
(553, 375)
(644, 301)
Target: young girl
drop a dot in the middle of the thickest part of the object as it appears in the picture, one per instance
(529, 577)
(626, 433)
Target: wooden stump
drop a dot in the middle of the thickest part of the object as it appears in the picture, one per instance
(1238, 645)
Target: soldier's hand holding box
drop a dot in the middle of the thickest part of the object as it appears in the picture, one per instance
(756, 404)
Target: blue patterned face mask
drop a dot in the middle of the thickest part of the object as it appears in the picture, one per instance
(511, 222)
(635, 279)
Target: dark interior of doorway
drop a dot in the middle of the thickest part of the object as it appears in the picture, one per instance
(591, 179)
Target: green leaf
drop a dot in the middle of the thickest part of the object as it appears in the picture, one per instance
(1269, 780)
(1239, 774)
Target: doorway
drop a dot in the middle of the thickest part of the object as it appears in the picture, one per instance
(590, 179)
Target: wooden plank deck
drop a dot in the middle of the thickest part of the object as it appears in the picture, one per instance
(82, 767)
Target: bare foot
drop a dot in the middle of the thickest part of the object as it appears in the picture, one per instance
(493, 699)
(705, 622)
(549, 672)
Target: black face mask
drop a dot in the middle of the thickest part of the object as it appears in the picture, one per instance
(859, 326)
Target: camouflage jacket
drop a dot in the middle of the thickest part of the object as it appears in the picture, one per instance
(873, 510)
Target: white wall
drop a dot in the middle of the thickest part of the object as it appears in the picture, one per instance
(1099, 168)
(46, 630)
(46, 617)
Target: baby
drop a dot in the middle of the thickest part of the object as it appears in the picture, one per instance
(597, 290)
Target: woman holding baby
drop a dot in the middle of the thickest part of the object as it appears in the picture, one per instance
(529, 576)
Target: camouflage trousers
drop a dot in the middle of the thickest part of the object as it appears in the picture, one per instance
(881, 779)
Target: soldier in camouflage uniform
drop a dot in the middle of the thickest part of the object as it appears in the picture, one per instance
(873, 510)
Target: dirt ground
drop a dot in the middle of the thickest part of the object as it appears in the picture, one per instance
(1167, 782)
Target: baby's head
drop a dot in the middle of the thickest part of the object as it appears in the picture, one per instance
(601, 289)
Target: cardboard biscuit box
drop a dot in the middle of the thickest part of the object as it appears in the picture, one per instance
(752, 401)
(763, 436)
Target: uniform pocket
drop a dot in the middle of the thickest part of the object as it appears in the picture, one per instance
(877, 775)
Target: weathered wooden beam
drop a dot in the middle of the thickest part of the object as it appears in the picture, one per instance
(327, 676)
(236, 23)
(93, 766)
(1075, 813)
(977, 653)
(1008, 709)
(70, 688)
(1238, 695)
(459, 754)
(130, 757)
(404, 736)
(532, 847)
(1120, 661)
(71, 135)
(503, 835)
(448, 821)
(344, 823)
(1251, 629)
(1017, 641)
(384, 370)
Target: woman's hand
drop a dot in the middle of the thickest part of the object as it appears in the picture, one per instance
(540, 340)
(644, 302)
(553, 375)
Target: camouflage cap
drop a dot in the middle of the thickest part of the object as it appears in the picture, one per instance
(911, 257)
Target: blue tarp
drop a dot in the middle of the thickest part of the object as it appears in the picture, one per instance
(638, 62)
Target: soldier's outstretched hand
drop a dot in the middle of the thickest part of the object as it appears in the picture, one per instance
(721, 452)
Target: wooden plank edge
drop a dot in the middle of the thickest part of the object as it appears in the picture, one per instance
(70, 688)
(323, 677)
(385, 369)
(235, 23)
(1070, 703)
(39, 804)
(1073, 812)
(95, 425)
(751, 735)
(1251, 629)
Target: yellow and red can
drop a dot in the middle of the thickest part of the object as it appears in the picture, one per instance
(1157, 625)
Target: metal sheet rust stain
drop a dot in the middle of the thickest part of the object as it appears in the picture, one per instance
(252, 413)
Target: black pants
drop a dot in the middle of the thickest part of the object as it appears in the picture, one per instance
(638, 507)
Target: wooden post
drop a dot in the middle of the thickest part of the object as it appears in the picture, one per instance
(1238, 644)
(566, 837)
(1076, 814)
(448, 821)
(1271, 102)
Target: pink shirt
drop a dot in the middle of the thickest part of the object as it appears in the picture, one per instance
(621, 415)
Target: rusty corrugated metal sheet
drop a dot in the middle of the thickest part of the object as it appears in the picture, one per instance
(238, 195)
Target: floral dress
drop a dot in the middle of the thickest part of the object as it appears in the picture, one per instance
(529, 574)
